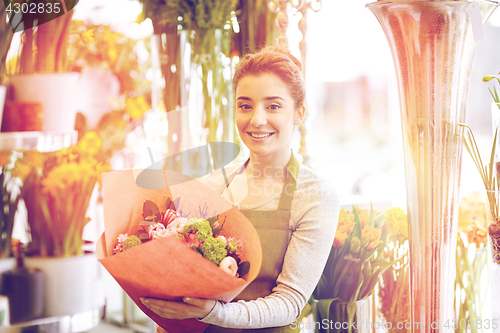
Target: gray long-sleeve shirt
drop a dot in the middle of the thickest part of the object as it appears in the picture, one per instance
(313, 222)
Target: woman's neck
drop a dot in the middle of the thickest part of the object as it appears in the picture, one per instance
(261, 167)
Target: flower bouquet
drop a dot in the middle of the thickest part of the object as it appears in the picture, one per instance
(354, 264)
(178, 247)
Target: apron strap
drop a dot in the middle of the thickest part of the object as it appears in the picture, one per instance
(289, 187)
(290, 184)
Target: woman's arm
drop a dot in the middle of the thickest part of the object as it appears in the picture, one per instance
(314, 218)
(315, 208)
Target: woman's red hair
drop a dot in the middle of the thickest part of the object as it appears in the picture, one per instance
(277, 61)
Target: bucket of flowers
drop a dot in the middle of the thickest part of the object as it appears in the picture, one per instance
(57, 188)
(342, 295)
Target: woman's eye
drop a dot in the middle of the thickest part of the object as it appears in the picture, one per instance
(244, 106)
(274, 106)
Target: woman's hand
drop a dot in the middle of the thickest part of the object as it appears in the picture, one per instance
(189, 307)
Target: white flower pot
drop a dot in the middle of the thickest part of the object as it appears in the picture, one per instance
(56, 92)
(3, 91)
(7, 264)
(71, 284)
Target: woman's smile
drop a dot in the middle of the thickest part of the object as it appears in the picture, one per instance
(260, 135)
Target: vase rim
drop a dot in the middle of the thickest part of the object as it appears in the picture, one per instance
(395, 2)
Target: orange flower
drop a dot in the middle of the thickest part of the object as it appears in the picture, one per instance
(364, 216)
(370, 237)
(4, 157)
(340, 239)
(344, 228)
(21, 170)
(397, 222)
(472, 218)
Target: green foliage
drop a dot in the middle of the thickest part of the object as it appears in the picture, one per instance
(468, 285)
(190, 14)
(151, 212)
(488, 172)
(200, 227)
(5, 41)
(213, 249)
(494, 94)
(131, 241)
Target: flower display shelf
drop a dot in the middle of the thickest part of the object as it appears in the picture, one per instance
(80, 322)
(41, 141)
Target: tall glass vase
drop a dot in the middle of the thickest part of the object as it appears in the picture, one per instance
(432, 47)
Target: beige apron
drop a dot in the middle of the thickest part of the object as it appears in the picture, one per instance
(273, 228)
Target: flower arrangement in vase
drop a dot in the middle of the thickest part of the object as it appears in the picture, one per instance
(395, 281)
(355, 262)
(208, 25)
(38, 74)
(472, 234)
(56, 189)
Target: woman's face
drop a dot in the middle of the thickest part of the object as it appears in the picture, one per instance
(265, 114)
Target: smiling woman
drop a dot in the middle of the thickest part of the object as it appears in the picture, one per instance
(294, 212)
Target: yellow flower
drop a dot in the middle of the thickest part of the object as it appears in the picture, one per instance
(397, 222)
(4, 157)
(340, 238)
(370, 237)
(344, 228)
(136, 107)
(364, 216)
(91, 143)
(34, 158)
(472, 218)
(21, 170)
(87, 36)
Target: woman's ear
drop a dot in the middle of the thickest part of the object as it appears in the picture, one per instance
(299, 115)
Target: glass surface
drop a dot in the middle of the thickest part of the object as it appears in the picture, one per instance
(432, 47)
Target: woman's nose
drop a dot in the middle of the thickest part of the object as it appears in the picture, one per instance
(258, 117)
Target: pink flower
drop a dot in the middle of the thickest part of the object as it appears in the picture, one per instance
(119, 246)
(169, 216)
(222, 238)
(157, 230)
(177, 225)
(192, 241)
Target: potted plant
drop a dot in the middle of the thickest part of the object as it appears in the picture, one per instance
(57, 187)
(207, 29)
(39, 73)
(395, 281)
(352, 270)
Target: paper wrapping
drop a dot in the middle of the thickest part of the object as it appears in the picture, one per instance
(166, 268)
